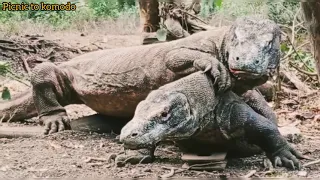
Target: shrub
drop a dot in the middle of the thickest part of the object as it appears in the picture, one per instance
(283, 11)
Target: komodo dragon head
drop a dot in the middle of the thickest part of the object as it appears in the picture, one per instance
(251, 48)
(161, 116)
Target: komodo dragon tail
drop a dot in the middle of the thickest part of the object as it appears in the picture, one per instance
(18, 109)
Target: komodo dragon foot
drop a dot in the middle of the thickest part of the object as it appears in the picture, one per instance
(52, 90)
(55, 122)
(286, 156)
(142, 156)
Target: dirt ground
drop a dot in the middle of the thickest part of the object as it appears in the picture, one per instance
(79, 154)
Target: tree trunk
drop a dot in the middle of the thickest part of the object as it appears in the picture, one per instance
(149, 15)
(311, 11)
(172, 16)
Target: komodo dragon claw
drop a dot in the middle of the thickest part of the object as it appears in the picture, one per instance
(222, 79)
(287, 157)
(55, 122)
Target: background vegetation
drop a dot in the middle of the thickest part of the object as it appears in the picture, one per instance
(281, 11)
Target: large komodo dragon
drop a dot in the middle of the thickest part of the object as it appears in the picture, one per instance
(112, 82)
(189, 112)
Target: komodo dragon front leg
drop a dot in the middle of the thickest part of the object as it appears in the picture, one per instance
(52, 90)
(253, 97)
(258, 103)
(181, 59)
(264, 133)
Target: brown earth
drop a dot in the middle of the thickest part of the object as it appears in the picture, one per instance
(79, 154)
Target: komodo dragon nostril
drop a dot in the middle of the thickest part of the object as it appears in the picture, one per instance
(257, 61)
(134, 135)
(237, 58)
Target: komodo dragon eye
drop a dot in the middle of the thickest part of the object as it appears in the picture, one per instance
(164, 114)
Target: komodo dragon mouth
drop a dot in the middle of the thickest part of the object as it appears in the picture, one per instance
(240, 74)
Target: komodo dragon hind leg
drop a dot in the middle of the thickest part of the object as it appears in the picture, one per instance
(52, 90)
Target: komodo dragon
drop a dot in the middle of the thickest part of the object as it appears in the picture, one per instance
(190, 113)
(112, 82)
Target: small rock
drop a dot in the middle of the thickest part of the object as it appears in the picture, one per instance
(303, 173)
(65, 155)
(185, 166)
(102, 145)
(291, 133)
(4, 168)
(85, 49)
(317, 117)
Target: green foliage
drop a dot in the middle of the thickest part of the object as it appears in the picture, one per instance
(283, 11)
(126, 3)
(105, 8)
(111, 8)
(284, 47)
(301, 58)
(234, 9)
(93, 10)
(218, 3)
(4, 68)
(305, 58)
(5, 95)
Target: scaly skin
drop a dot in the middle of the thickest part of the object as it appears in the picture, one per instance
(112, 82)
(190, 113)
(227, 43)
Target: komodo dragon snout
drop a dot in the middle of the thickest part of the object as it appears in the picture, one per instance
(172, 118)
(252, 48)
